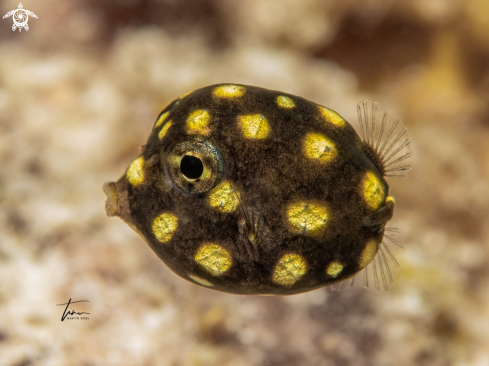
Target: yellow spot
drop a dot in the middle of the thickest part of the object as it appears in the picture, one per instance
(135, 171)
(374, 190)
(332, 117)
(307, 217)
(161, 119)
(224, 197)
(201, 281)
(318, 146)
(254, 126)
(215, 259)
(164, 130)
(285, 102)
(334, 269)
(390, 199)
(229, 91)
(289, 269)
(164, 226)
(369, 253)
(198, 121)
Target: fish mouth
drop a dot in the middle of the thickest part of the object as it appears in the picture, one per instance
(111, 207)
(117, 202)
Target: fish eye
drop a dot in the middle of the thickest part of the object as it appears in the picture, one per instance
(191, 167)
(194, 166)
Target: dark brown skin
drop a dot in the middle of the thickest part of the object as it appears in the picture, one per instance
(268, 173)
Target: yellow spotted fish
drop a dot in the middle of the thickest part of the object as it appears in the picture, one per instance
(252, 191)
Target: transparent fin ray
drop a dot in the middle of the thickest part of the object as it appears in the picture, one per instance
(379, 273)
(387, 137)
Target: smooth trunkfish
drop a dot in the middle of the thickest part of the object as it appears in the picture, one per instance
(252, 191)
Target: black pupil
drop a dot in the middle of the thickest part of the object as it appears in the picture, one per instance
(191, 167)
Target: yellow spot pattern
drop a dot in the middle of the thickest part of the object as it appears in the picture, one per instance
(164, 130)
(213, 258)
(374, 190)
(135, 172)
(289, 269)
(307, 217)
(254, 126)
(162, 118)
(229, 91)
(201, 281)
(319, 147)
(164, 226)
(332, 117)
(224, 197)
(198, 121)
(334, 269)
(369, 253)
(285, 102)
(390, 199)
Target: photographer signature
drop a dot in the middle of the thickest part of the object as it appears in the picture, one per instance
(72, 312)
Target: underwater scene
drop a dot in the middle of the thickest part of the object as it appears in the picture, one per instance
(255, 183)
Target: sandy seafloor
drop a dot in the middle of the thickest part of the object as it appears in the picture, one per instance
(80, 91)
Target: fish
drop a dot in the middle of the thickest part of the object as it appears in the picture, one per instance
(251, 191)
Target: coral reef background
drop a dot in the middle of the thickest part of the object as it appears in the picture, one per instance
(80, 91)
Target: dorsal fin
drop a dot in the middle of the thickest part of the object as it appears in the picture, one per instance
(386, 141)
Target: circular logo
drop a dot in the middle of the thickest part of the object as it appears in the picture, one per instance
(20, 18)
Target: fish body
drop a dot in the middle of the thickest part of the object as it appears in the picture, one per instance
(252, 191)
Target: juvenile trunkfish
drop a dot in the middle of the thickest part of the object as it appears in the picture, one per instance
(253, 191)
